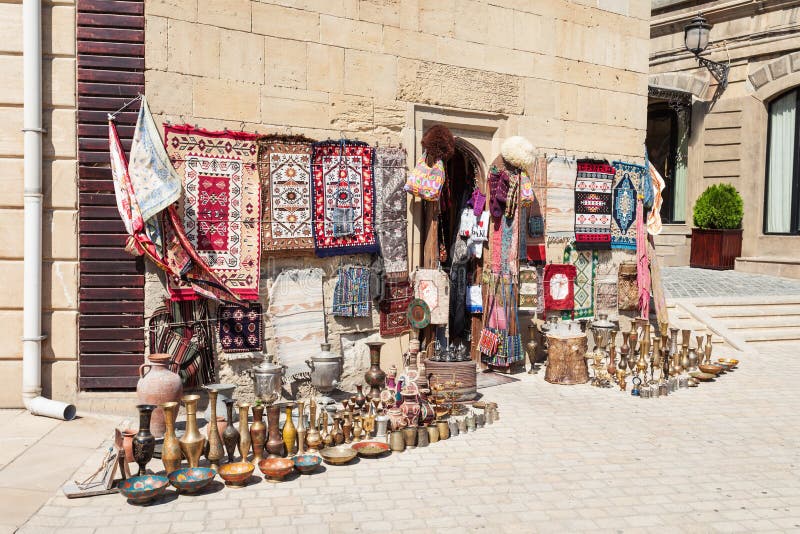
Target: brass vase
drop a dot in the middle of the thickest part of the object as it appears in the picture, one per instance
(275, 443)
(632, 340)
(325, 435)
(215, 450)
(338, 434)
(171, 455)
(375, 376)
(192, 441)
(244, 432)
(708, 349)
(612, 355)
(230, 438)
(302, 429)
(360, 398)
(314, 438)
(530, 347)
(144, 443)
(258, 433)
(289, 431)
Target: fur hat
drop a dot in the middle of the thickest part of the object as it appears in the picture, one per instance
(438, 143)
(517, 151)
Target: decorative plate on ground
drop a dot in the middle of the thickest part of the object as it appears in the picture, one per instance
(370, 449)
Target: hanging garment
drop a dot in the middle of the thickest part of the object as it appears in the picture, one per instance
(593, 204)
(183, 330)
(241, 328)
(351, 294)
(433, 286)
(284, 164)
(585, 262)
(560, 215)
(499, 183)
(222, 202)
(654, 225)
(559, 286)
(458, 299)
(345, 168)
(627, 287)
(394, 307)
(627, 183)
(535, 240)
(479, 235)
(504, 245)
(477, 202)
(525, 189)
(391, 211)
(643, 265)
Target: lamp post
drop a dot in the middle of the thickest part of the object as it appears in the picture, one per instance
(695, 38)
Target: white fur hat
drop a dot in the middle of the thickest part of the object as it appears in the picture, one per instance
(518, 151)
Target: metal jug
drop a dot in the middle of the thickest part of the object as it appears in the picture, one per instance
(267, 380)
(396, 441)
(326, 369)
(381, 425)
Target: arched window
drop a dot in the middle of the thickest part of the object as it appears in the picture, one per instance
(782, 197)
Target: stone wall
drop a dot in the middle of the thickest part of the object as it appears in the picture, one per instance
(570, 76)
(60, 241)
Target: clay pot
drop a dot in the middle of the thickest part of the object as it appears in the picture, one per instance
(127, 443)
(157, 385)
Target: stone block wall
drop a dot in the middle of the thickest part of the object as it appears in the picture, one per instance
(60, 225)
(569, 75)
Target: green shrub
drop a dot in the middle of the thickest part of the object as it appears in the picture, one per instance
(719, 207)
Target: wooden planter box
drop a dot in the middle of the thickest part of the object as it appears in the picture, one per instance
(715, 249)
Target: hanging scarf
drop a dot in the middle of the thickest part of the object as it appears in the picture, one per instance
(643, 267)
(654, 226)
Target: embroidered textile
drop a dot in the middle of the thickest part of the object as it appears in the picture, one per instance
(536, 239)
(297, 314)
(241, 328)
(156, 183)
(605, 300)
(528, 289)
(394, 308)
(593, 204)
(391, 207)
(559, 280)
(433, 286)
(222, 204)
(585, 262)
(284, 164)
(351, 294)
(182, 330)
(499, 183)
(627, 287)
(627, 181)
(654, 225)
(540, 291)
(560, 215)
(123, 189)
(342, 179)
(504, 241)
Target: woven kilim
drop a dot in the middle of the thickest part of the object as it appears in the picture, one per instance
(284, 164)
(241, 328)
(585, 262)
(605, 300)
(593, 204)
(343, 198)
(394, 308)
(390, 208)
(222, 202)
(627, 182)
(528, 289)
(560, 217)
(351, 294)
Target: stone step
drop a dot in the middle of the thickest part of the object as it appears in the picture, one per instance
(666, 240)
(774, 266)
(760, 310)
(772, 334)
(761, 322)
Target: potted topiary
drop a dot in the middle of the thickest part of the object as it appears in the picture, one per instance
(717, 236)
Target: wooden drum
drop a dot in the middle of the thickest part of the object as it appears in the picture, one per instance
(566, 359)
(463, 372)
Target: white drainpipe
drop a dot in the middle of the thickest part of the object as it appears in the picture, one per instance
(32, 300)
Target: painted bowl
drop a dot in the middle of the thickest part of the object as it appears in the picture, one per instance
(701, 376)
(191, 479)
(338, 455)
(144, 488)
(710, 369)
(370, 449)
(307, 463)
(276, 468)
(237, 473)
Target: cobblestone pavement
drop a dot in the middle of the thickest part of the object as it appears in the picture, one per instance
(682, 282)
(719, 458)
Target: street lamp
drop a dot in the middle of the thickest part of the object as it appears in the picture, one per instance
(695, 38)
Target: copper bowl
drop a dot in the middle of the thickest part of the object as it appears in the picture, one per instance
(729, 361)
(339, 455)
(307, 463)
(710, 368)
(370, 449)
(702, 377)
(237, 473)
(276, 468)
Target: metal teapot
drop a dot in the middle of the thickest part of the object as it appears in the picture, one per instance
(326, 369)
(267, 380)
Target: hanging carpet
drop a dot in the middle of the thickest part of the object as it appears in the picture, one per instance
(183, 330)
(343, 198)
(433, 287)
(351, 294)
(560, 216)
(394, 307)
(559, 286)
(585, 262)
(627, 182)
(241, 328)
(535, 239)
(528, 289)
(593, 204)
(297, 314)
(284, 164)
(390, 207)
(222, 203)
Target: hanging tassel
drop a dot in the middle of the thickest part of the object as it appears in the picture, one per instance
(643, 266)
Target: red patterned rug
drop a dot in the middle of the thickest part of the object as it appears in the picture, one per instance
(222, 202)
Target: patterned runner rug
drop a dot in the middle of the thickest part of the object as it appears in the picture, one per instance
(627, 182)
(560, 217)
(585, 262)
(390, 207)
(593, 204)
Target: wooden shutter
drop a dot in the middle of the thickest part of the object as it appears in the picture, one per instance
(110, 73)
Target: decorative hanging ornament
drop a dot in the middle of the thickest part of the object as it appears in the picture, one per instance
(419, 314)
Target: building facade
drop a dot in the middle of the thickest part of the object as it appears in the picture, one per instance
(745, 135)
(571, 76)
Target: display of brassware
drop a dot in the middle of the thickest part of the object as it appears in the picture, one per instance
(275, 469)
(236, 474)
(307, 463)
(371, 449)
(338, 455)
(191, 479)
(143, 489)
